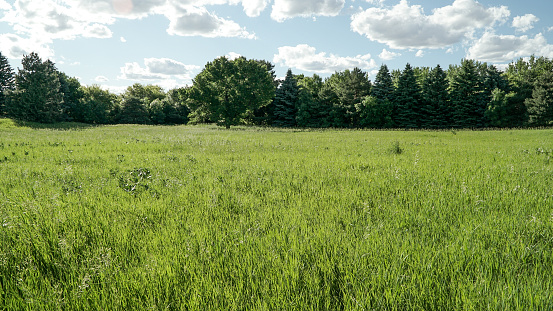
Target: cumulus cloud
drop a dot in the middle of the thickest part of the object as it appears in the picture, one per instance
(405, 26)
(524, 23)
(388, 55)
(4, 5)
(160, 69)
(193, 21)
(285, 9)
(504, 48)
(14, 46)
(252, 8)
(306, 58)
(51, 20)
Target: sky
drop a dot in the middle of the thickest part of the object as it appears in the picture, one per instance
(116, 43)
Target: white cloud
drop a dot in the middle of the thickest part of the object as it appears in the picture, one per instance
(306, 58)
(232, 55)
(51, 20)
(388, 55)
(285, 9)
(101, 79)
(420, 53)
(252, 8)
(122, 39)
(194, 21)
(158, 69)
(524, 23)
(504, 48)
(14, 47)
(4, 5)
(406, 26)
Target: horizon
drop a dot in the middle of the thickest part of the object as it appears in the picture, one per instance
(117, 43)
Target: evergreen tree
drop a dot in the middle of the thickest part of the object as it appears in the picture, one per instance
(465, 92)
(435, 111)
(326, 106)
(7, 82)
(311, 112)
(38, 97)
(350, 86)
(383, 88)
(133, 111)
(522, 76)
(540, 105)
(407, 97)
(285, 102)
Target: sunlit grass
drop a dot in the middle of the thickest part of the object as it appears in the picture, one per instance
(142, 217)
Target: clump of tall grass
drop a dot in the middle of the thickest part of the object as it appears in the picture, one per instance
(395, 148)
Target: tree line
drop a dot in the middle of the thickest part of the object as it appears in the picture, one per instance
(241, 91)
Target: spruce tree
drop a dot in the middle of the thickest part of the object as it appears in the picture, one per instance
(38, 97)
(311, 111)
(133, 111)
(7, 82)
(285, 102)
(407, 97)
(466, 99)
(435, 111)
(383, 88)
(540, 105)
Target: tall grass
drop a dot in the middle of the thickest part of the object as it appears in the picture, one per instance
(198, 218)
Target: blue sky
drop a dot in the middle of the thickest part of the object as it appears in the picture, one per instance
(115, 43)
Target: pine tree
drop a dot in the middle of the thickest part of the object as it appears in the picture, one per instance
(540, 106)
(435, 111)
(37, 97)
(383, 87)
(351, 86)
(7, 82)
(466, 100)
(285, 102)
(311, 111)
(133, 111)
(408, 99)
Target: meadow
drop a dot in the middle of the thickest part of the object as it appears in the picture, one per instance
(130, 217)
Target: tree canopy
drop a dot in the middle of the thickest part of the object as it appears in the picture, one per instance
(245, 91)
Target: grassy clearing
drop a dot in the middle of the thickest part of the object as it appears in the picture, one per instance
(156, 218)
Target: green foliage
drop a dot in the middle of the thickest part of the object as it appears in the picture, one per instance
(540, 105)
(146, 93)
(375, 113)
(500, 112)
(73, 96)
(350, 87)
(133, 111)
(466, 95)
(274, 219)
(97, 106)
(313, 104)
(38, 97)
(7, 82)
(435, 108)
(383, 88)
(408, 99)
(285, 104)
(226, 91)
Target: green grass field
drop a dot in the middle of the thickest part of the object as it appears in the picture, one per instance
(202, 218)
